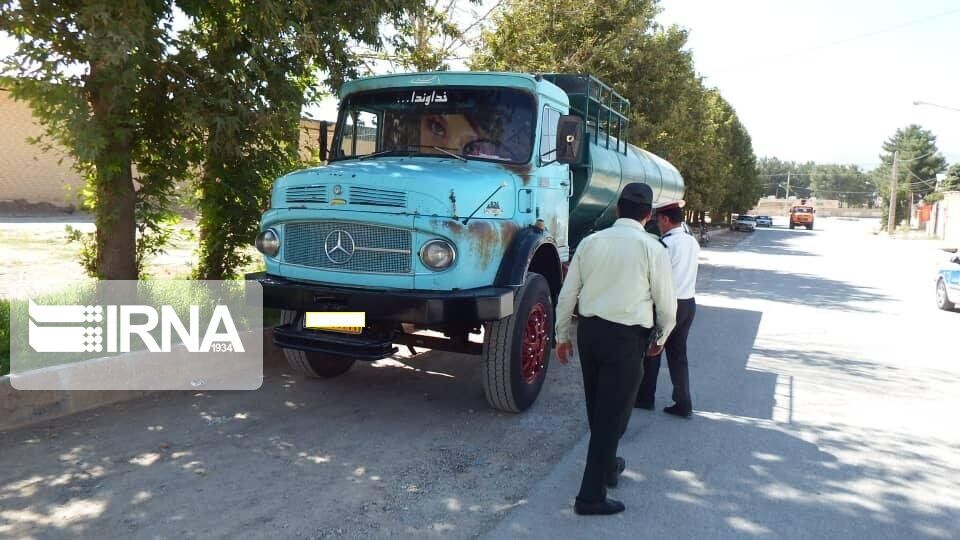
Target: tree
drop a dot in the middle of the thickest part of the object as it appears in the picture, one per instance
(427, 36)
(952, 181)
(776, 176)
(918, 164)
(114, 83)
(251, 67)
(96, 76)
(618, 41)
(846, 183)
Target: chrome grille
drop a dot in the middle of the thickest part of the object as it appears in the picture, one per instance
(316, 193)
(382, 250)
(377, 197)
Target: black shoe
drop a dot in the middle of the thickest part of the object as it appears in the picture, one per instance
(648, 405)
(615, 479)
(602, 508)
(676, 410)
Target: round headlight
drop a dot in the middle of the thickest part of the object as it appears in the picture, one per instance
(437, 254)
(268, 243)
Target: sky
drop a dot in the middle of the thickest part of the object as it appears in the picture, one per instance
(829, 80)
(821, 80)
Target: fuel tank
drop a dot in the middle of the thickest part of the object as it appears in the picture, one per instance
(598, 183)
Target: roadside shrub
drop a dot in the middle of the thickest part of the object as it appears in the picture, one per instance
(4, 337)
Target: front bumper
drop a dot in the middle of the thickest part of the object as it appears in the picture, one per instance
(423, 308)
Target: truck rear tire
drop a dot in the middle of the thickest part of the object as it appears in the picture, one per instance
(810, 227)
(313, 364)
(791, 225)
(516, 350)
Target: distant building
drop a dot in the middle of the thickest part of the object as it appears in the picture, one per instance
(32, 176)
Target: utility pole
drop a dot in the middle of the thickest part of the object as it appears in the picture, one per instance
(787, 195)
(891, 218)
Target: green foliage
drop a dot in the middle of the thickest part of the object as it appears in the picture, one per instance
(250, 68)
(426, 36)
(952, 181)
(672, 113)
(931, 198)
(846, 183)
(88, 248)
(96, 76)
(216, 104)
(918, 164)
(4, 337)
(775, 175)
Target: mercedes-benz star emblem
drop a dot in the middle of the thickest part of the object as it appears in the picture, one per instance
(339, 246)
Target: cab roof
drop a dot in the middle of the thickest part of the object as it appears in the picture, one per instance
(535, 84)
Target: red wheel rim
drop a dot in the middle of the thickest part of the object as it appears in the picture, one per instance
(535, 343)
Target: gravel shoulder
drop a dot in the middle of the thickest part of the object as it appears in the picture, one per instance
(400, 447)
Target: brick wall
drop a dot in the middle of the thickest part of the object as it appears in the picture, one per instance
(26, 172)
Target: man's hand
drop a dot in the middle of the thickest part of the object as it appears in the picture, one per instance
(654, 350)
(564, 351)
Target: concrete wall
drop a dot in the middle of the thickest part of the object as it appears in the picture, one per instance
(947, 219)
(36, 177)
(26, 172)
(781, 207)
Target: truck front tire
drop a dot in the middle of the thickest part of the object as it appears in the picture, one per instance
(313, 364)
(516, 350)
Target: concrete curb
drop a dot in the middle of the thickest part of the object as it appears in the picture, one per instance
(20, 408)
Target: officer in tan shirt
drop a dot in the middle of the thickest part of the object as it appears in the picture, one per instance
(619, 277)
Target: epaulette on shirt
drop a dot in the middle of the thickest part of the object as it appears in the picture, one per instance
(658, 239)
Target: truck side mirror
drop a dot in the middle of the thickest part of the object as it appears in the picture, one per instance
(570, 139)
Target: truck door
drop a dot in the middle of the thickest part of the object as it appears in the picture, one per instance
(552, 182)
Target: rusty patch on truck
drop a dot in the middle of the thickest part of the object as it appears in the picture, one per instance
(525, 171)
(453, 226)
(485, 238)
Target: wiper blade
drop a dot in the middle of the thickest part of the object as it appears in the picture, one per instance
(409, 149)
(380, 153)
(449, 153)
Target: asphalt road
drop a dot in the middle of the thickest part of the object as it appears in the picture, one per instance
(827, 387)
(823, 376)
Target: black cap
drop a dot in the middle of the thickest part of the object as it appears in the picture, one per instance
(637, 192)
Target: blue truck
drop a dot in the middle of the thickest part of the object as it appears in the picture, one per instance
(450, 203)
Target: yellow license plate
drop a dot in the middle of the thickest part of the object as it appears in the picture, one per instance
(344, 322)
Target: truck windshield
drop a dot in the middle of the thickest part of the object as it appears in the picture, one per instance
(477, 123)
(802, 210)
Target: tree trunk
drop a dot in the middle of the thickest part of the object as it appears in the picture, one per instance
(116, 235)
(116, 222)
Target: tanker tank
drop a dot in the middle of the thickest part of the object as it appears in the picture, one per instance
(610, 162)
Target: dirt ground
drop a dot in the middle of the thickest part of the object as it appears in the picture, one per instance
(37, 256)
(401, 447)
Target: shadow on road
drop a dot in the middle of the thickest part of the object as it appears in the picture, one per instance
(789, 287)
(776, 241)
(732, 472)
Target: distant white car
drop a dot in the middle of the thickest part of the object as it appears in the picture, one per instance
(745, 223)
(764, 221)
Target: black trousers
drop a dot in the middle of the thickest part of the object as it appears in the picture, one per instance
(610, 359)
(676, 349)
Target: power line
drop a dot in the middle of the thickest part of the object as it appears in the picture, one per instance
(754, 62)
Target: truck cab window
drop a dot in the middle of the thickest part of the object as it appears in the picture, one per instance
(494, 124)
(360, 133)
(548, 135)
